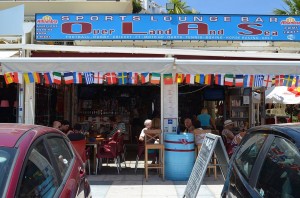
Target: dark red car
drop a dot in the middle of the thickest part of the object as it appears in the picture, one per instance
(39, 161)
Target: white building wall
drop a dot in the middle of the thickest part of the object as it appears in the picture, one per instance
(150, 6)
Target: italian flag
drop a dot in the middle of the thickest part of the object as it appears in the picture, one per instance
(57, 77)
(228, 79)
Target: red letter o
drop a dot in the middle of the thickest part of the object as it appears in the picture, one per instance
(86, 28)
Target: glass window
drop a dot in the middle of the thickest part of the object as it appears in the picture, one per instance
(39, 179)
(280, 173)
(248, 153)
(62, 153)
(6, 158)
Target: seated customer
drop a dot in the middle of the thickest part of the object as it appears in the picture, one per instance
(189, 128)
(228, 134)
(148, 125)
(65, 126)
(76, 134)
(56, 124)
(235, 142)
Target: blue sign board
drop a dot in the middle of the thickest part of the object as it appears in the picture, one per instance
(167, 27)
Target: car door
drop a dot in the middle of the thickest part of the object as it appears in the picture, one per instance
(280, 173)
(71, 169)
(243, 162)
(38, 176)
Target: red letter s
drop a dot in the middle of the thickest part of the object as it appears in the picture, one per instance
(250, 30)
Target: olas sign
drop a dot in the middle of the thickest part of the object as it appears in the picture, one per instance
(166, 27)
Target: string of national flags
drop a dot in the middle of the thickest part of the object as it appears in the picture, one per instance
(134, 78)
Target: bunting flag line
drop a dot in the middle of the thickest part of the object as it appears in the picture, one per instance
(248, 80)
(36, 77)
(179, 78)
(9, 78)
(288, 79)
(18, 77)
(208, 79)
(111, 78)
(279, 80)
(296, 82)
(122, 78)
(133, 78)
(190, 79)
(98, 77)
(68, 77)
(267, 81)
(89, 77)
(228, 80)
(145, 77)
(200, 78)
(48, 78)
(239, 80)
(155, 78)
(57, 78)
(28, 77)
(168, 79)
(273, 80)
(258, 80)
(77, 77)
(219, 79)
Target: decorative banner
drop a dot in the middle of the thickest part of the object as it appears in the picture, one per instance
(145, 77)
(190, 79)
(168, 79)
(239, 80)
(219, 79)
(166, 27)
(133, 78)
(69, 78)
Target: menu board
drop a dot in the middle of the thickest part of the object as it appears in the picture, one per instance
(208, 147)
(170, 110)
(170, 101)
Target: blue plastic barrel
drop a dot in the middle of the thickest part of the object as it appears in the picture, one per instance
(179, 155)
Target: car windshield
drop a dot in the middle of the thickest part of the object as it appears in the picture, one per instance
(6, 158)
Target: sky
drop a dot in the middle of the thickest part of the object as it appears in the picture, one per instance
(256, 7)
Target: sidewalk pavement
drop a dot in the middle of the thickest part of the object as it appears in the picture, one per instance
(116, 186)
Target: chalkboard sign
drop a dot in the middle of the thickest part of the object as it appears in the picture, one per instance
(210, 144)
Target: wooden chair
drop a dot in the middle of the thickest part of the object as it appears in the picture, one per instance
(153, 142)
(199, 136)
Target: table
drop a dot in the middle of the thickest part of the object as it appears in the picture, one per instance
(95, 146)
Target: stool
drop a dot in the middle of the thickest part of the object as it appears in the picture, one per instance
(151, 136)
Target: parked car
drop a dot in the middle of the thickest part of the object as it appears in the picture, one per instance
(266, 164)
(39, 161)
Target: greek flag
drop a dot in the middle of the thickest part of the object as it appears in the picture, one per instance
(89, 77)
(258, 80)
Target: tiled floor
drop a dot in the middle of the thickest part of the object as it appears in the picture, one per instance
(109, 184)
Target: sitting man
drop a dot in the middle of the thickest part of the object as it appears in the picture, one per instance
(56, 124)
(148, 126)
(76, 134)
(189, 128)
